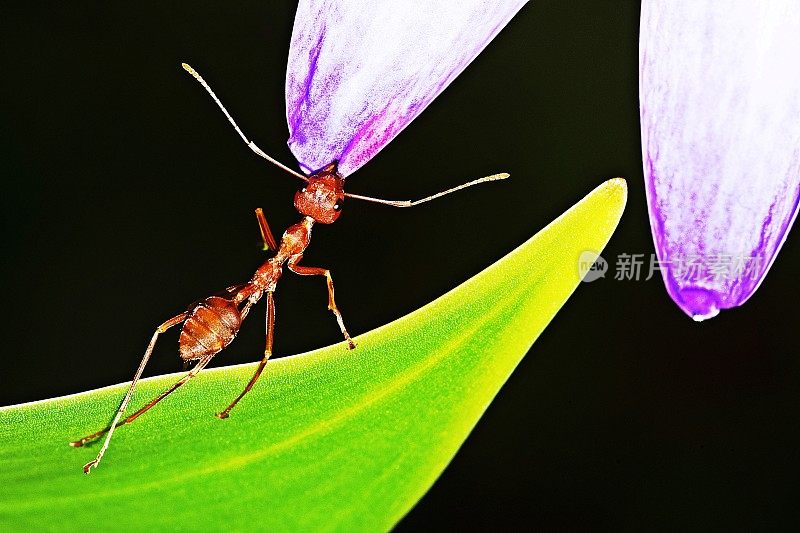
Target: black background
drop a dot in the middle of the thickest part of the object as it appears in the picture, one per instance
(126, 196)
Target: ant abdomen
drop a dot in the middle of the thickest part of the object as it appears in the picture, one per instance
(211, 326)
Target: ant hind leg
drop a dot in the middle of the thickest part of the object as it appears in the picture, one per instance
(121, 410)
(267, 353)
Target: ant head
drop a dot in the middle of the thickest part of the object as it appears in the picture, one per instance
(323, 195)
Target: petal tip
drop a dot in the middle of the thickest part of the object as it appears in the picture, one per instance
(699, 303)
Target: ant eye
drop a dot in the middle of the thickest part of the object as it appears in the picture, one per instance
(336, 207)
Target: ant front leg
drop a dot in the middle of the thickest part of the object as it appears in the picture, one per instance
(267, 352)
(316, 271)
(266, 233)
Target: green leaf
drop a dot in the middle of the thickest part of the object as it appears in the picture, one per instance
(329, 440)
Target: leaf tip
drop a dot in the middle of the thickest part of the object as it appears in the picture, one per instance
(618, 186)
(614, 192)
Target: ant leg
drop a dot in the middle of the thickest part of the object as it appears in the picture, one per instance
(267, 352)
(266, 233)
(315, 271)
(110, 429)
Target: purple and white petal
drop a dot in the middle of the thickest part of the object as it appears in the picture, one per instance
(719, 86)
(361, 70)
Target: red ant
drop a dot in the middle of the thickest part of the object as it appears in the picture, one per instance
(211, 324)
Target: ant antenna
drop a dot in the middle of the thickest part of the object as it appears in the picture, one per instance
(394, 203)
(248, 142)
(412, 203)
